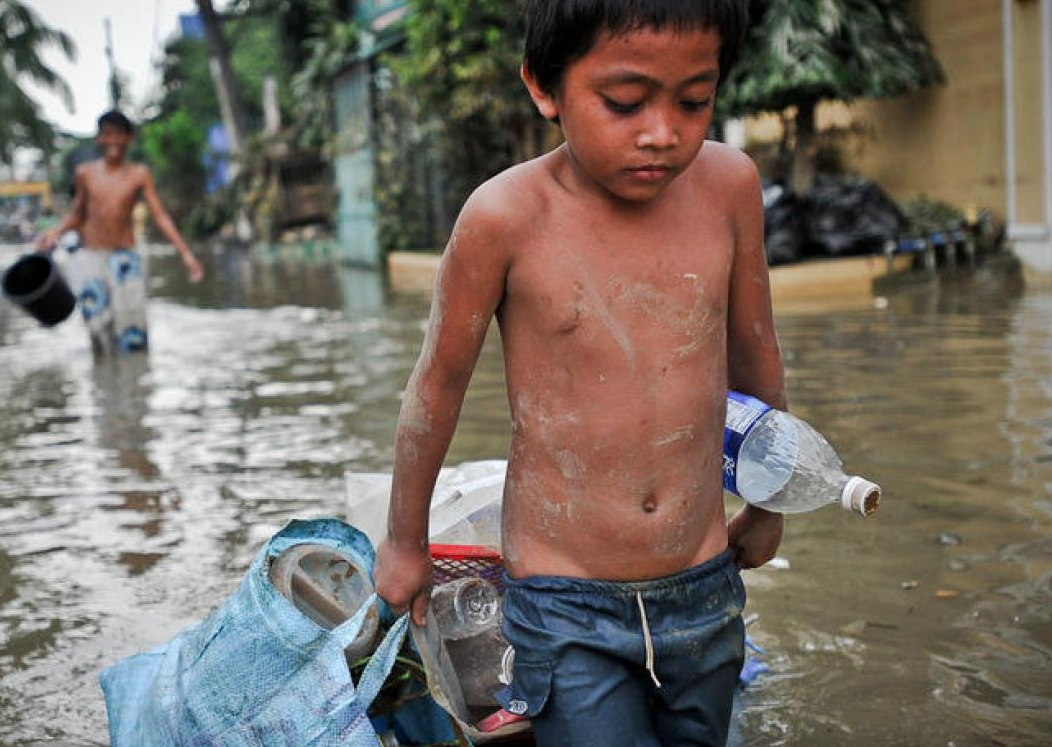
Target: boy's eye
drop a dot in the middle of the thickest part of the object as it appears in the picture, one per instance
(691, 105)
(620, 107)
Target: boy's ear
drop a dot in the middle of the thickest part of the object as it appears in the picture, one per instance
(544, 101)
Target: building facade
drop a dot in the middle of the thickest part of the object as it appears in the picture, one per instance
(984, 139)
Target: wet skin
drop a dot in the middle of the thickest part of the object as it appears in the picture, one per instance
(626, 271)
(106, 193)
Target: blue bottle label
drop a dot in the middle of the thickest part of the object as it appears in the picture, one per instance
(743, 412)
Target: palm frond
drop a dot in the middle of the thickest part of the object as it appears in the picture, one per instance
(808, 50)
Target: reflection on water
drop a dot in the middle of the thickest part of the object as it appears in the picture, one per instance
(134, 493)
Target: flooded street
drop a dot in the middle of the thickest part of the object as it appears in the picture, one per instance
(134, 493)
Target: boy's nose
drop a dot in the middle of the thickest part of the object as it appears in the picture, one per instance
(659, 132)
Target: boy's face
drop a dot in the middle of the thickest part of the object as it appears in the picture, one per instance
(113, 142)
(636, 107)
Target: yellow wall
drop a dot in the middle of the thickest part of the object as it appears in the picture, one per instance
(946, 142)
(1029, 152)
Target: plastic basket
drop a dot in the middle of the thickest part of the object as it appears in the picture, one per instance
(451, 562)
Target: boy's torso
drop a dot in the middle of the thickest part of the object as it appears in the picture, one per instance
(110, 197)
(614, 332)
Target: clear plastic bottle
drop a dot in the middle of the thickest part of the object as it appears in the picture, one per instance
(778, 462)
(465, 607)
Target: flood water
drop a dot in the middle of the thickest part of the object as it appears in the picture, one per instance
(134, 493)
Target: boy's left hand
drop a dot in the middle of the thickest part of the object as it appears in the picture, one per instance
(194, 270)
(753, 536)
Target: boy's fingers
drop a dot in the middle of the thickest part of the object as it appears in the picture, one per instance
(419, 607)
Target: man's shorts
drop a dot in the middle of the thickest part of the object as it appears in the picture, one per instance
(110, 285)
(631, 664)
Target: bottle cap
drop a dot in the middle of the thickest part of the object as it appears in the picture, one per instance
(860, 495)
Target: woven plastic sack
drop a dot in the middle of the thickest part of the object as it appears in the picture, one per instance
(257, 671)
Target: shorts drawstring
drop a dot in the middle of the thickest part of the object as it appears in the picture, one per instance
(647, 640)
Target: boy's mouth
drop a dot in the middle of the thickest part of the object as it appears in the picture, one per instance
(651, 172)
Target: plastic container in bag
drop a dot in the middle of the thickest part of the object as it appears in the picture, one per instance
(465, 607)
(329, 588)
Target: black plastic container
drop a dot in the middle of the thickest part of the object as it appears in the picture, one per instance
(35, 284)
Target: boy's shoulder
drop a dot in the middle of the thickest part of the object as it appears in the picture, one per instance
(725, 167)
(508, 202)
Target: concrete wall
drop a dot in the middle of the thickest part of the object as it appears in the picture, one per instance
(982, 139)
(946, 142)
(1028, 103)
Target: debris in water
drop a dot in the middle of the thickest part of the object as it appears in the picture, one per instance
(910, 584)
(950, 538)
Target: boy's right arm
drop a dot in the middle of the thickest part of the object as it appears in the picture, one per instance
(72, 221)
(469, 288)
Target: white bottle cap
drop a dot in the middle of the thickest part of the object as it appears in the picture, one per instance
(860, 495)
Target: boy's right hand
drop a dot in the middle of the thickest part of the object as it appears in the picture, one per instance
(403, 578)
(46, 241)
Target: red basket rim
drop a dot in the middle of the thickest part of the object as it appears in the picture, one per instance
(464, 552)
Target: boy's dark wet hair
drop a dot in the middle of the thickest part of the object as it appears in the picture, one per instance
(559, 32)
(117, 120)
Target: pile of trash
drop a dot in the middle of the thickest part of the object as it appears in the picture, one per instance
(839, 216)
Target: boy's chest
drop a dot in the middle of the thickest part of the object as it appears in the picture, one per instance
(649, 285)
(118, 189)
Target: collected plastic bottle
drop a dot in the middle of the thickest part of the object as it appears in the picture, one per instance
(328, 587)
(778, 462)
(465, 607)
(467, 613)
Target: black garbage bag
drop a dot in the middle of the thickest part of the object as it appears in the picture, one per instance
(848, 215)
(782, 224)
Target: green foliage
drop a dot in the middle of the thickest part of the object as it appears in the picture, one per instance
(173, 147)
(299, 24)
(175, 141)
(187, 83)
(810, 50)
(23, 37)
(460, 66)
(925, 215)
(408, 177)
(312, 85)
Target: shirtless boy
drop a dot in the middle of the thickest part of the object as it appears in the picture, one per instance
(108, 273)
(626, 270)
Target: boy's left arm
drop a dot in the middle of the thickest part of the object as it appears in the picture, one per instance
(168, 228)
(754, 360)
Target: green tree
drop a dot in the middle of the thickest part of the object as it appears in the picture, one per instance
(22, 38)
(173, 146)
(461, 62)
(312, 84)
(799, 53)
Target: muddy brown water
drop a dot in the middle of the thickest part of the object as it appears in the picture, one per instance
(133, 495)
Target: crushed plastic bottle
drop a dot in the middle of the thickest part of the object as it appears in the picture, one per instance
(328, 587)
(465, 606)
(778, 462)
(467, 613)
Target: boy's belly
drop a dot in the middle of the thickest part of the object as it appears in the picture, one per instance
(636, 494)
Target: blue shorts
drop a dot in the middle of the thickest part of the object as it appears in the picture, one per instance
(633, 664)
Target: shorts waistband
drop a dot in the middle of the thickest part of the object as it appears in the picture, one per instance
(688, 577)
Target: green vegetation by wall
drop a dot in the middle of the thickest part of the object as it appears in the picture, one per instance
(799, 53)
(458, 77)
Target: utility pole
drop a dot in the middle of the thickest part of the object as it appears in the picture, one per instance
(223, 77)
